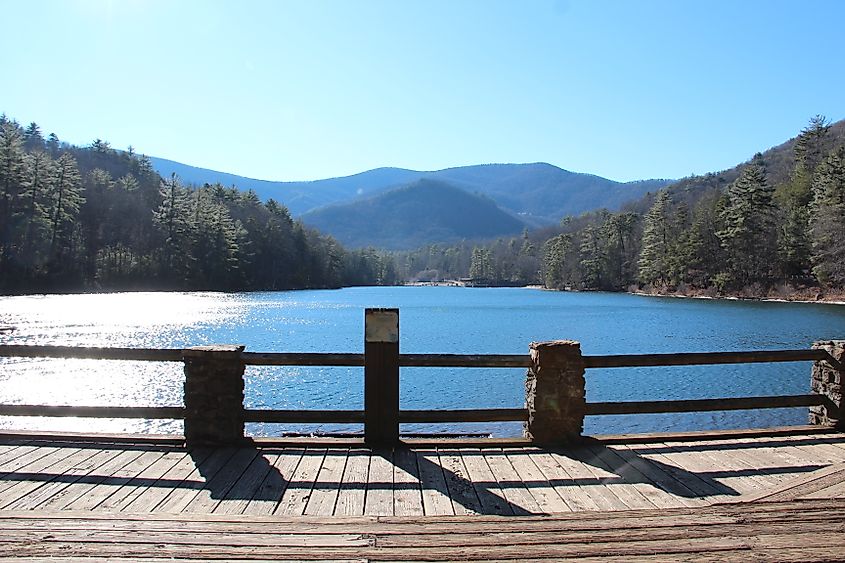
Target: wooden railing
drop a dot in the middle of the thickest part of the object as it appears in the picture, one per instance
(381, 361)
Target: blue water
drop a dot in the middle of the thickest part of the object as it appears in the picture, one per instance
(432, 320)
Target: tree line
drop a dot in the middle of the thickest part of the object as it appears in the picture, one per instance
(771, 228)
(94, 218)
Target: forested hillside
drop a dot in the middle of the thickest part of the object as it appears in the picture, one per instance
(772, 226)
(74, 219)
(422, 212)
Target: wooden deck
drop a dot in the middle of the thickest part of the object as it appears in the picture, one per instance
(774, 497)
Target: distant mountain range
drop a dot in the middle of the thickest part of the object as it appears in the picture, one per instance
(506, 198)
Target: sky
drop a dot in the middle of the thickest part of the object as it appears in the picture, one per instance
(301, 90)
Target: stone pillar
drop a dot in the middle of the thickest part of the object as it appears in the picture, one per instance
(827, 380)
(214, 395)
(554, 393)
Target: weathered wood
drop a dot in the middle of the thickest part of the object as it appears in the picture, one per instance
(381, 377)
(461, 489)
(538, 486)
(98, 412)
(327, 486)
(301, 483)
(407, 494)
(490, 495)
(90, 353)
(465, 360)
(304, 416)
(435, 493)
(353, 487)
(700, 405)
(703, 358)
(463, 415)
(244, 489)
(272, 487)
(302, 359)
(379, 501)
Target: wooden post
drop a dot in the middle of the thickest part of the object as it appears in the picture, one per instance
(381, 377)
(555, 393)
(826, 380)
(214, 395)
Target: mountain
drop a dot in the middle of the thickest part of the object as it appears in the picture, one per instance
(422, 212)
(541, 194)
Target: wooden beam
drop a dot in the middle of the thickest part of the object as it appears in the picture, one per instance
(465, 360)
(304, 416)
(703, 358)
(304, 359)
(699, 405)
(133, 354)
(463, 415)
(94, 412)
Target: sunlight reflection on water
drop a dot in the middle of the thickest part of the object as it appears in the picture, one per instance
(433, 320)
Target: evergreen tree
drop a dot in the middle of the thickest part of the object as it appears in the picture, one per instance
(554, 261)
(65, 200)
(828, 222)
(654, 264)
(748, 233)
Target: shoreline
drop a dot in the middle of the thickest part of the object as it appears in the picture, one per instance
(820, 301)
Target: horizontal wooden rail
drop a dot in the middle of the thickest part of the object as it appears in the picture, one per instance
(304, 416)
(88, 353)
(464, 415)
(465, 360)
(174, 413)
(702, 405)
(302, 359)
(704, 358)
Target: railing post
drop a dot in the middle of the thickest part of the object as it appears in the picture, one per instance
(381, 376)
(827, 381)
(554, 393)
(214, 395)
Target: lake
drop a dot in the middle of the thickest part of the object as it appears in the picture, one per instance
(432, 320)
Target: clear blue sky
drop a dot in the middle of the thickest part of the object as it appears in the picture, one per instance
(287, 90)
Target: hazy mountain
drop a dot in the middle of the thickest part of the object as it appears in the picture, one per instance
(539, 193)
(423, 212)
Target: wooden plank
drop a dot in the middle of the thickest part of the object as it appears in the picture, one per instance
(381, 376)
(641, 476)
(702, 405)
(463, 415)
(266, 498)
(240, 495)
(109, 479)
(407, 492)
(465, 360)
(626, 490)
(75, 476)
(716, 465)
(703, 358)
(586, 478)
(133, 354)
(510, 484)
(301, 484)
(435, 493)
(538, 486)
(379, 498)
(575, 497)
(327, 486)
(142, 481)
(218, 486)
(805, 485)
(93, 412)
(180, 497)
(30, 476)
(490, 495)
(461, 489)
(353, 486)
(665, 473)
(302, 359)
(30, 459)
(304, 416)
(146, 500)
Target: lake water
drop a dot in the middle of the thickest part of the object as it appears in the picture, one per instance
(432, 320)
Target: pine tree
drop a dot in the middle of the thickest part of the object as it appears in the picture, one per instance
(654, 263)
(749, 230)
(66, 199)
(828, 220)
(554, 260)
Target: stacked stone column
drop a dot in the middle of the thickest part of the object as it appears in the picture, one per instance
(214, 395)
(827, 381)
(555, 393)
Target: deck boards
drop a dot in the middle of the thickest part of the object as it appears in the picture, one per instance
(805, 530)
(341, 481)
